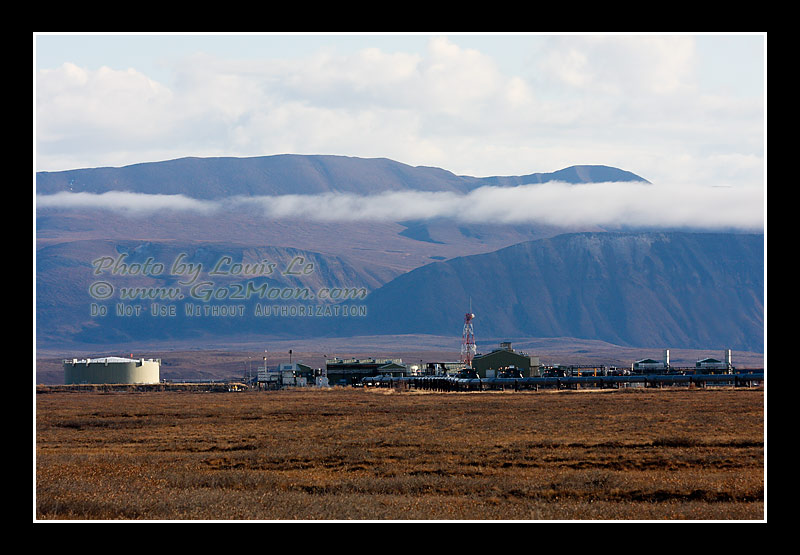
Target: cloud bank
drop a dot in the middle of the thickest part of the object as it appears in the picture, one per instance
(612, 205)
(642, 103)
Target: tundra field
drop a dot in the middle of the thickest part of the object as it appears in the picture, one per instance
(386, 454)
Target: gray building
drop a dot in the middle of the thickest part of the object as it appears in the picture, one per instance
(449, 368)
(710, 364)
(285, 374)
(351, 371)
(651, 365)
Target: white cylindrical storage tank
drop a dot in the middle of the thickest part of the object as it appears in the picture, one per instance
(112, 370)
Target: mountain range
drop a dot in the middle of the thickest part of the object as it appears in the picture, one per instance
(213, 178)
(639, 288)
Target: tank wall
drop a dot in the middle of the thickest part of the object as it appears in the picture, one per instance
(134, 372)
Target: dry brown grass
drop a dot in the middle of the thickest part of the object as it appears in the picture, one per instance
(344, 454)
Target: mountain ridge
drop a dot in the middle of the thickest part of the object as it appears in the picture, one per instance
(643, 289)
(655, 289)
(662, 289)
(218, 177)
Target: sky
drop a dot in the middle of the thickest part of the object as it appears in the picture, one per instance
(685, 111)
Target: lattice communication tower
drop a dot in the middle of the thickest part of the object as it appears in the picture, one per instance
(468, 348)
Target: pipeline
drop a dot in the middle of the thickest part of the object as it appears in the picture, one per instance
(452, 383)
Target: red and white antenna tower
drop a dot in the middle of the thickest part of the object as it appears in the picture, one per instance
(468, 348)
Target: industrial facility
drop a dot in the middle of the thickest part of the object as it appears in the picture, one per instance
(501, 367)
(703, 365)
(112, 370)
(505, 368)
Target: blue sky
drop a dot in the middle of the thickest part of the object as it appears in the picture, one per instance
(682, 109)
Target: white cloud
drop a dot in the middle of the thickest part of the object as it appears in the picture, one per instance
(612, 205)
(73, 102)
(621, 64)
(628, 101)
(122, 201)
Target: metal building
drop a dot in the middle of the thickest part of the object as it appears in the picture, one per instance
(709, 363)
(650, 365)
(446, 368)
(112, 370)
(286, 374)
(505, 360)
(352, 371)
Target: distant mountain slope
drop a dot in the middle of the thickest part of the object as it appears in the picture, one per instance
(73, 277)
(678, 290)
(692, 290)
(572, 174)
(661, 290)
(212, 178)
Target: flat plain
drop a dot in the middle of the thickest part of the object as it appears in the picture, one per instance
(343, 454)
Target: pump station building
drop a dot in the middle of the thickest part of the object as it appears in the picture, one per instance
(505, 362)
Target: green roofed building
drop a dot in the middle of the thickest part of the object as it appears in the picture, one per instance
(505, 362)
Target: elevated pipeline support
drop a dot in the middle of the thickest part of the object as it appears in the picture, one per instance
(451, 383)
